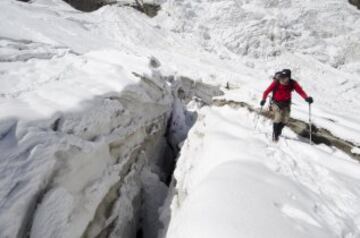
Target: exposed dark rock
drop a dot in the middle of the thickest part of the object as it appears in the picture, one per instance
(149, 9)
(355, 2)
(88, 5)
(319, 135)
(154, 63)
(91, 5)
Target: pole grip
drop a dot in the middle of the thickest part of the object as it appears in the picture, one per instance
(310, 126)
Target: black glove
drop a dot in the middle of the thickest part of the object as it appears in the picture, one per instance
(262, 103)
(309, 100)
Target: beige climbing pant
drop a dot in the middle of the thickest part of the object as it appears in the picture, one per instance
(280, 114)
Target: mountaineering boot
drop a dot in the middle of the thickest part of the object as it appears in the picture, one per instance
(276, 127)
(281, 127)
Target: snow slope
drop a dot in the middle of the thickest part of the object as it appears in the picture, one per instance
(232, 181)
(88, 54)
(84, 113)
(318, 40)
(80, 105)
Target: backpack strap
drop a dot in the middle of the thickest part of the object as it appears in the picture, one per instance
(275, 89)
(291, 83)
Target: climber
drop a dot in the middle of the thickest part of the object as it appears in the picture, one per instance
(281, 89)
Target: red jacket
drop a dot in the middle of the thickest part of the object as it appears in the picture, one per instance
(283, 92)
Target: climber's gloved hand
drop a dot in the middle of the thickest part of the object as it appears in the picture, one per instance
(262, 103)
(309, 100)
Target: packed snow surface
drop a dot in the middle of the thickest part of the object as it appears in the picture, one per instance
(232, 181)
(62, 73)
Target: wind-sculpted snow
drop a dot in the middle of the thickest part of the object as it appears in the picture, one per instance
(324, 29)
(86, 100)
(22, 50)
(83, 117)
(232, 181)
(67, 135)
(65, 169)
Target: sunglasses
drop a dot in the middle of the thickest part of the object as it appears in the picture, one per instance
(283, 78)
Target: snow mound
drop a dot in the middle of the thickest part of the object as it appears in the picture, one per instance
(234, 182)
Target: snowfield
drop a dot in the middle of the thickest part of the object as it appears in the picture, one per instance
(94, 106)
(318, 40)
(232, 181)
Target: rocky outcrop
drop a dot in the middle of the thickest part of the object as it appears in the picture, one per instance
(88, 5)
(355, 2)
(149, 9)
(84, 5)
(92, 5)
(319, 135)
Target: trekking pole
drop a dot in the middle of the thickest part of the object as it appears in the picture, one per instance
(310, 126)
(258, 117)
